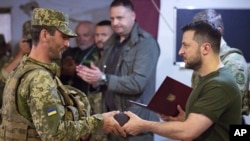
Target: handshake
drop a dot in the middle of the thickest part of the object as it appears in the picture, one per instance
(121, 118)
(114, 121)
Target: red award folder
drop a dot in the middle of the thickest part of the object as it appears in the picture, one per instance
(170, 94)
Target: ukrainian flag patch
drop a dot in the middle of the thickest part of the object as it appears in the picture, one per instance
(51, 111)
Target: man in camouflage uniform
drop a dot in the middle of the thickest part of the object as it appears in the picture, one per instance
(232, 59)
(36, 105)
(4, 51)
(24, 49)
(3, 59)
(12, 62)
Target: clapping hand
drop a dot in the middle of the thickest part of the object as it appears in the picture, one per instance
(91, 74)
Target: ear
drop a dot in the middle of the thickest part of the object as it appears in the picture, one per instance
(43, 35)
(133, 15)
(206, 48)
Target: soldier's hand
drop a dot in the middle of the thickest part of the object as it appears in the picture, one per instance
(111, 125)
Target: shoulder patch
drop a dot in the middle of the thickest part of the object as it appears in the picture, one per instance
(240, 77)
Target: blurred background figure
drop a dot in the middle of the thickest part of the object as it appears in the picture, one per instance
(8, 62)
(5, 51)
(103, 31)
(85, 51)
(4, 58)
(24, 48)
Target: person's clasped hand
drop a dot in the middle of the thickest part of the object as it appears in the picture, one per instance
(111, 125)
(130, 127)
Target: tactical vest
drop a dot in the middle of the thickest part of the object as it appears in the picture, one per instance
(15, 127)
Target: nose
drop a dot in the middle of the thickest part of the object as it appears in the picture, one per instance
(101, 38)
(180, 51)
(66, 43)
(114, 21)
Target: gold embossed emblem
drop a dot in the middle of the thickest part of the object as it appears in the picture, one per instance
(171, 97)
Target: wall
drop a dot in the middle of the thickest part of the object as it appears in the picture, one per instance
(98, 9)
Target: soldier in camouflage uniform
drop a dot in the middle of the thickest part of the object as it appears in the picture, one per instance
(36, 105)
(11, 63)
(24, 49)
(4, 51)
(232, 58)
(4, 58)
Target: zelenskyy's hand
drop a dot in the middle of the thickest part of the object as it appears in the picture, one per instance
(111, 125)
(135, 124)
(179, 117)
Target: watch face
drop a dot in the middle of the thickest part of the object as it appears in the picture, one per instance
(103, 79)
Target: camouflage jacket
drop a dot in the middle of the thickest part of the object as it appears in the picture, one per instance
(41, 106)
(234, 61)
(3, 75)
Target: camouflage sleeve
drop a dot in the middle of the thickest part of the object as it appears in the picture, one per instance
(237, 65)
(3, 75)
(47, 112)
(2, 78)
(2, 84)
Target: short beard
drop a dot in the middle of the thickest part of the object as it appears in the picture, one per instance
(195, 64)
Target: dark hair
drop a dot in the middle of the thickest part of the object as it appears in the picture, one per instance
(2, 41)
(211, 16)
(205, 32)
(103, 23)
(125, 3)
(36, 30)
(3, 45)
